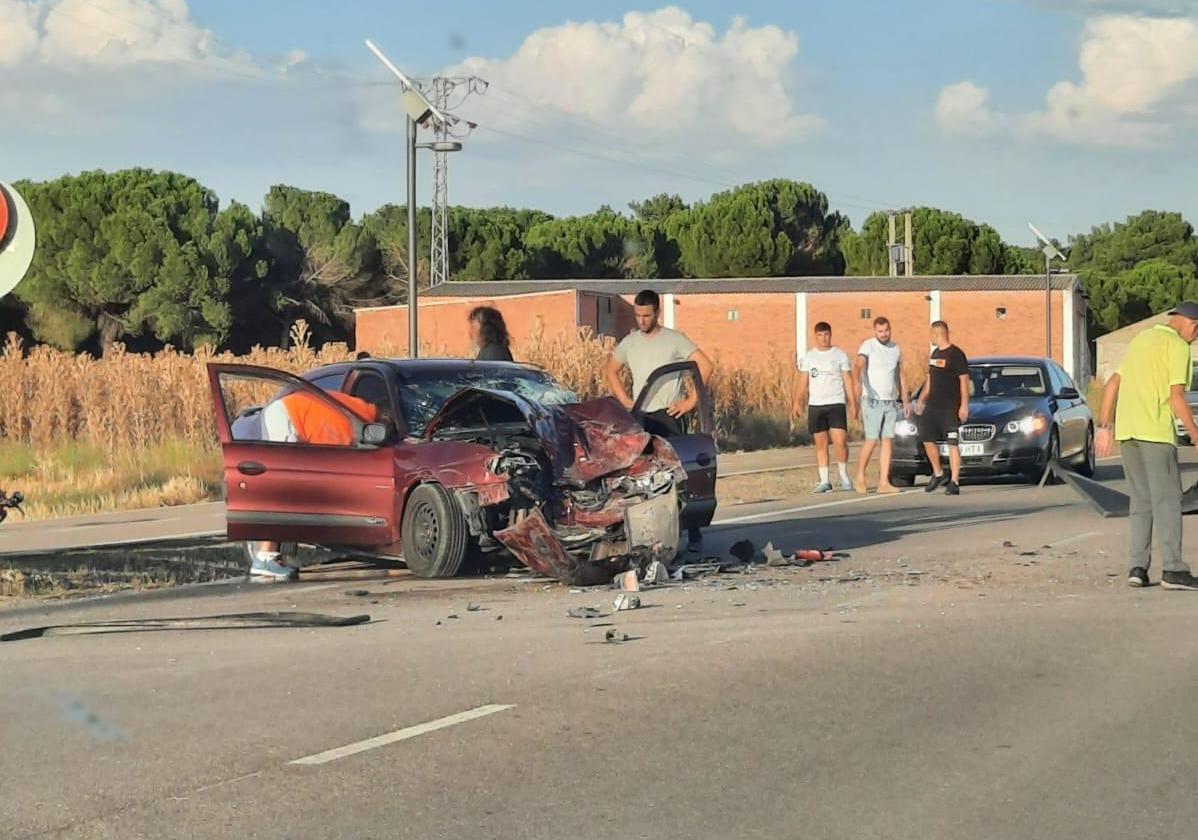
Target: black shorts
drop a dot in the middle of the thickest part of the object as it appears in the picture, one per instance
(660, 423)
(939, 424)
(822, 418)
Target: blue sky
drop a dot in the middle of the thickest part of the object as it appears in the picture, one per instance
(1064, 112)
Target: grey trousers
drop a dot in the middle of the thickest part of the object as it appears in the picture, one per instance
(1154, 482)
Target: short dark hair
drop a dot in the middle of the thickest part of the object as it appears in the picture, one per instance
(647, 297)
(940, 325)
(823, 326)
(881, 321)
(491, 327)
(362, 354)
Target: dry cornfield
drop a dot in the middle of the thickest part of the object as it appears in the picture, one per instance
(125, 401)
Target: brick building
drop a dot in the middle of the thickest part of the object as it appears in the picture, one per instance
(742, 322)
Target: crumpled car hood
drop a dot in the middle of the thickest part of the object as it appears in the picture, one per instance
(584, 441)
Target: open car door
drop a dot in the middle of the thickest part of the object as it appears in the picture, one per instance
(693, 439)
(289, 490)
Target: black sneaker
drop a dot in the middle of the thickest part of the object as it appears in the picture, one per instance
(952, 489)
(934, 483)
(1179, 580)
(1137, 577)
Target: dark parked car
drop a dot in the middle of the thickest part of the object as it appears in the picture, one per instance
(1022, 413)
(1192, 400)
(466, 456)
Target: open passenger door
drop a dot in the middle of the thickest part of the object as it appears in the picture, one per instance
(339, 492)
(692, 436)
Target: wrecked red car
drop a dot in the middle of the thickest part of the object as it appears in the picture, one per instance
(467, 458)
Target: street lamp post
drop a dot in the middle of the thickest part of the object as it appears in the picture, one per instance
(413, 308)
(420, 112)
(1050, 253)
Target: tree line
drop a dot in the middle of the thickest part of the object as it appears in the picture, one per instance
(150, 258)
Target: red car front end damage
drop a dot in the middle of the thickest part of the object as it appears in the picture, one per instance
(576, 492)
(464, 458)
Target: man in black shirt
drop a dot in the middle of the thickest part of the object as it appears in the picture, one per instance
(943, 407)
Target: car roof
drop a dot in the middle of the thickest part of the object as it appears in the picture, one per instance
(431, 365)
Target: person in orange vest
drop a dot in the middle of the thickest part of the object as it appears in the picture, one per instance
(303, 418)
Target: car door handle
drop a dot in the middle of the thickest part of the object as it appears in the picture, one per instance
(704, 460)
(251, 468)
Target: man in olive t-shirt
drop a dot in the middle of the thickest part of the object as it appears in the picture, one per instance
(1145, 396)
(644, 350)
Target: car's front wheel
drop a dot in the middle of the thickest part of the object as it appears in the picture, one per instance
(1089, 458)
(1053, 455)
(902, 479)
(434, 533)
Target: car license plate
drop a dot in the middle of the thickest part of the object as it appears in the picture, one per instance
(968, 450)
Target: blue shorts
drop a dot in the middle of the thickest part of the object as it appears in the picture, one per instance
(878, 417)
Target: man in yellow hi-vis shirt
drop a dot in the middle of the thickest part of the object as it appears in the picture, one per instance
(1145, 396)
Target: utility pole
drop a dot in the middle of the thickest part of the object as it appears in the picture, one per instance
(909, 250)
(904, 253)
(891, 252)
(441, 89)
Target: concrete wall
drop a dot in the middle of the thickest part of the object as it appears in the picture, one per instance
(738, 329)
(977, 328)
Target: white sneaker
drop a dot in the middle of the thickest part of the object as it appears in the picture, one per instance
(846, 485)
(822, 487)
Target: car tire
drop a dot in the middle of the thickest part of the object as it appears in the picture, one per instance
(1089, 459)
(1053, 454)
(435, 536)
(902, 479)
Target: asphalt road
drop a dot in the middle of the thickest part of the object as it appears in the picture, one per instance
(954, 678)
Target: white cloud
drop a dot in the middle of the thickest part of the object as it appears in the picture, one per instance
(1135, 7)
(964, 108)
(18, 31)
(661, 75)
(1138, 88)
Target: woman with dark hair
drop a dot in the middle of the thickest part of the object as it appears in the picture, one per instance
(489, 335)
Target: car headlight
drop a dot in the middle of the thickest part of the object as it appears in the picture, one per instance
(1030, 425)
(905, 428)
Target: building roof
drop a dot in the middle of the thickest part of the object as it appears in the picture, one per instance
(1132, 330)
(761, 285)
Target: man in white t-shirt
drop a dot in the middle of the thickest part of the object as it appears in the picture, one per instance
(878, 377)
(825, 385)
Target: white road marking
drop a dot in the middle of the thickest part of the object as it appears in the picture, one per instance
(400, 735)
(1076, 538)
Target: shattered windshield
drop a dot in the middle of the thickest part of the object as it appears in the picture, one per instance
(1007, 381)
(423, 393)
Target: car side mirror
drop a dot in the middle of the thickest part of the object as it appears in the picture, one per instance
(1069, 394)
(374, 434)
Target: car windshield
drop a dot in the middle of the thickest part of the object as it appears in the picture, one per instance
(1006, 381)
(423, 393)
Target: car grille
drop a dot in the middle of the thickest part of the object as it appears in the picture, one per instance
(976, 434)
